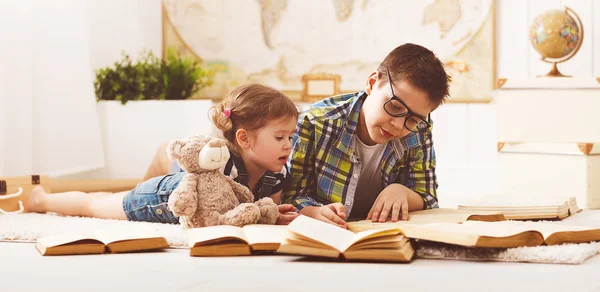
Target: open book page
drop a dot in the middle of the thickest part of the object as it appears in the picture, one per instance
(385, 248)
(431, 216)
(573, 206)
(389, 241)
(475, 233)
(67, 238)
(113, 240)
(312, 237)
(525, 207)
(452, 215)
(402, 252)
(214, 234)
(520, 201)
(108, 236)
(265, 236)
(291, 247)
(559, 233)
(311, 232)
(327, 234)
(131, 239)
(373, 237)
(70, 244)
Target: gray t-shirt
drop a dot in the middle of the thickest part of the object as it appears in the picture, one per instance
(369, 181)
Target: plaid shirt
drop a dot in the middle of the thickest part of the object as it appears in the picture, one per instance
(325, 169)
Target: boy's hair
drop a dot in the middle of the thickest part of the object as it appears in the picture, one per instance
(421, 68)
(251, 107)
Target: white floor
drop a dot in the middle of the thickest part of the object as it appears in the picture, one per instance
(23, 269)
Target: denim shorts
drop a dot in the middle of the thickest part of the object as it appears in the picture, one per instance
(148, 200)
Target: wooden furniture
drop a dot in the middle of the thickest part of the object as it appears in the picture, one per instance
(549, 138)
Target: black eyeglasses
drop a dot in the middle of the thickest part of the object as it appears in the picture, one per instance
(395, 107)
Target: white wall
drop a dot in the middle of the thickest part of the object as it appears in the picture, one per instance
(123, 25)
(16, 84)
(66, 134)
(46, 86)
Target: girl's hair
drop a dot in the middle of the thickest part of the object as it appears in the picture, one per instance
(251, 107)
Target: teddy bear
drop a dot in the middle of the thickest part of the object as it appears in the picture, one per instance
(205, 196)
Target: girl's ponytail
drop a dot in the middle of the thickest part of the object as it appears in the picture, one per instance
(221, 117)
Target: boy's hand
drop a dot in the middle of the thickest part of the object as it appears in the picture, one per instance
(334, 213)
(394, 199)
(286, 214)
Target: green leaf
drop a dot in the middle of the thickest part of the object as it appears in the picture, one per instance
(177, 77)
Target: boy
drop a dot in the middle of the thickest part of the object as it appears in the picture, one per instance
(370, 154)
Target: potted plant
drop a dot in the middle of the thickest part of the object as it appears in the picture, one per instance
(151, 78)
(145, 103)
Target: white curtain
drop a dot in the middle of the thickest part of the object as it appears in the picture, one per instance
(47, 107)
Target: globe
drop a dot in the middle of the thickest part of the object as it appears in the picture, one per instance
(556, 36)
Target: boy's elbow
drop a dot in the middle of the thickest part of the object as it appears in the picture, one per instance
(422, 201)
(430, 201)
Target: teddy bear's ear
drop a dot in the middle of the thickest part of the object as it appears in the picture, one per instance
(174, 148)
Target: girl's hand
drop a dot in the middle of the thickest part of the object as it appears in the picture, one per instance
(286, 214)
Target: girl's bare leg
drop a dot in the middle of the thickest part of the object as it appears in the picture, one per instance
(160, 164)
(98, 205)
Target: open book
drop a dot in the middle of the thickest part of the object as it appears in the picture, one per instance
(225, 240)
(112, 241)
(311, 237)
(524, 207)
(503, 234)
(431, 216)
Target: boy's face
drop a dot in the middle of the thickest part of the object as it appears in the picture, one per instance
(270, 146)
(375, 125)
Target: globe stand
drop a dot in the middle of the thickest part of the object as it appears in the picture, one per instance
(554, 71)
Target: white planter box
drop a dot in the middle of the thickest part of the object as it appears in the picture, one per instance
(132, 133)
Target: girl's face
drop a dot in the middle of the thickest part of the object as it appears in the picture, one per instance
(269, 147)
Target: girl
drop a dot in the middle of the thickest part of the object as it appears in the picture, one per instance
(257, 121)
